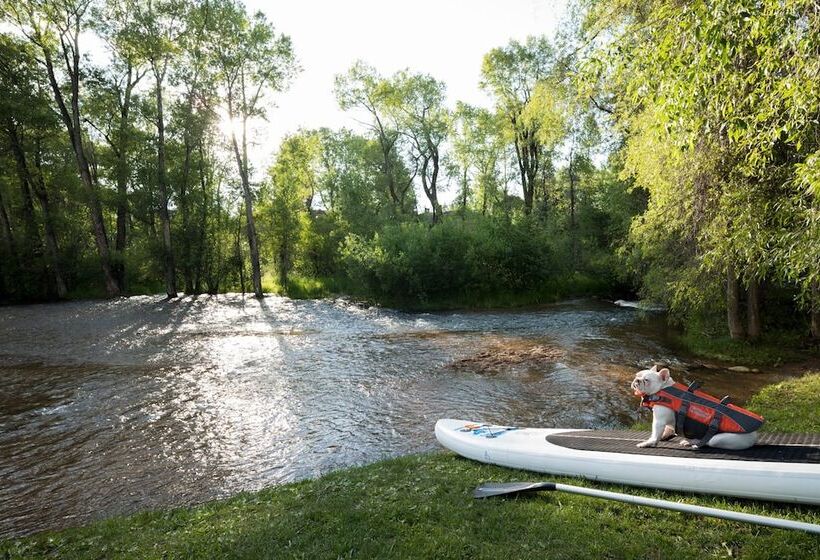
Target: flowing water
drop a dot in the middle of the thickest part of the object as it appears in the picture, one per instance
(139, 403)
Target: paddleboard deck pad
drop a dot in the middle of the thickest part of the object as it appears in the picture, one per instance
(780, 448)
(782, 467)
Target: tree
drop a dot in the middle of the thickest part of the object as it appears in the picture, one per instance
(351, 183)
(479, 145)
(574, 126)
(54, 28)
(294, 182)
(21, 109)
(194, 113)
(418, 103)
(727, 83)
(363, 88)
(253, 60)
(161, 25)
(113, 89)
(511, 74)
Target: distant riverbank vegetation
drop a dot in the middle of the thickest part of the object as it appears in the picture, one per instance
(667, 150)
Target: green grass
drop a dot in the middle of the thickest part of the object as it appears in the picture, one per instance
(420, 507)
(773, 348)
(299, 287)
(790, 406)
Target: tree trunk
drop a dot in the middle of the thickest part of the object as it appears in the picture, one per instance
(429, 186)
(51, 245)
(35, 182)
(5, 227)
(187, 269)
(203, 223)
(164, 217)
(526, 152)
(239, 257)
(573, 229)
(48, 224)
(387, 146)
(214, 263)
(284, 268)
(121, 238)
(464, 194)
(253, 242)
(753, 324)
(733, 304)
(32, 244)
(241, 162)
(815, 310)
(10, 251)
(71, 119)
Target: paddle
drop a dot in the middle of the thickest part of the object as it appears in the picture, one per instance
(490, 489)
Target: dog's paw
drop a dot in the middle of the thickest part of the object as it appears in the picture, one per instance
(668, 433)
(687, 443)
(647, 443)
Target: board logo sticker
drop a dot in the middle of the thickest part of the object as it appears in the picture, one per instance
(486, 430)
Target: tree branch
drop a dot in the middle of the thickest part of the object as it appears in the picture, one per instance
(600, 107)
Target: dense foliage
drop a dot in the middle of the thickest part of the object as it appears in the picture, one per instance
(718, 112)
(665, 147)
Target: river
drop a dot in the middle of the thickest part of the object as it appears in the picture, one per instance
(117, 406)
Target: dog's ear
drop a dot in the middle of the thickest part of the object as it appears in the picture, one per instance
(664, 373)
(654, 368)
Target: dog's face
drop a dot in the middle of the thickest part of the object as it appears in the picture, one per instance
(650, 381)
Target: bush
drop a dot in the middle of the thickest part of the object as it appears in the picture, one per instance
(455, 259)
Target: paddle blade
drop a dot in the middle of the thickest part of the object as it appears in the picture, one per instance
(489, 489)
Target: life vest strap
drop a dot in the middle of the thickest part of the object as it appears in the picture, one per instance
(714, 426)
(680, 417)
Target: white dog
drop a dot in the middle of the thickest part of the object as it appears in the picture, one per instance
(648, 382)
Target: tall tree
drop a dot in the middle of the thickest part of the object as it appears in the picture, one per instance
(351, 181)
(55, 28)
(113, 89)
(479, 144)
(32, 138)
(363, 88)
(294, 182)
(511, 75)
(728, 83)
(161, 25)
(418, 101)
(194, 114)
(253, 61)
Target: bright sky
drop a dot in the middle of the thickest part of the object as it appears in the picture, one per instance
(445, 38)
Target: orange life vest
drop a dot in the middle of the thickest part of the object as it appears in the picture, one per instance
(700, 415)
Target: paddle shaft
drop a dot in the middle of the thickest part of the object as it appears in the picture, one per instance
(688, 508)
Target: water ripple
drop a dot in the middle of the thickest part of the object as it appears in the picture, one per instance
(116, 406)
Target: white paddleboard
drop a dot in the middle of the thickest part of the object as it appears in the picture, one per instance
(528, 449)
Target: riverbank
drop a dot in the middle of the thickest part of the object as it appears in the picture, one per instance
(419, 506)
(576, 285)
(776, 349)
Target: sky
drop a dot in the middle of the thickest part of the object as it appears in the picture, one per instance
(444, 38)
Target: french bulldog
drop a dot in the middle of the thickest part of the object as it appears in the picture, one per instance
(649, 382)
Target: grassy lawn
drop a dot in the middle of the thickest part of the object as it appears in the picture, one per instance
(420, 507)
(772, 349)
